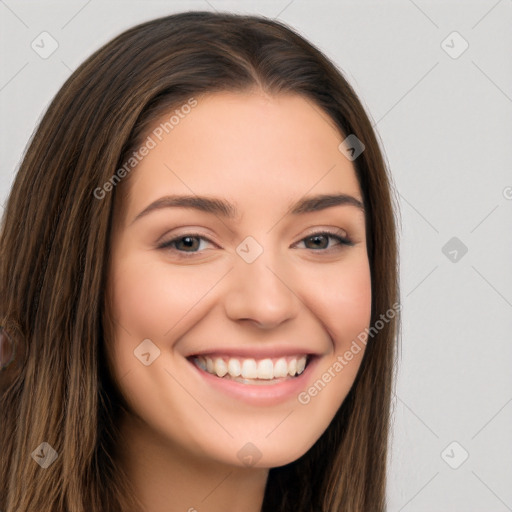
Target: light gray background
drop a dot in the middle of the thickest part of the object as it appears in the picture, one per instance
(445, 125)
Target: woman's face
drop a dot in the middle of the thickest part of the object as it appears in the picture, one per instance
(247, 281)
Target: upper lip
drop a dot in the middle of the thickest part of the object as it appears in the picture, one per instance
(254, 352)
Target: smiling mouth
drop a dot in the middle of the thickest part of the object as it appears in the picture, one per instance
(253, 371)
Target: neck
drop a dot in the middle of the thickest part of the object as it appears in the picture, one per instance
(167, 478)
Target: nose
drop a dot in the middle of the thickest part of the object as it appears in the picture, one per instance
(262, 293)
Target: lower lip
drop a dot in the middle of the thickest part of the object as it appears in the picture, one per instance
(268, 394)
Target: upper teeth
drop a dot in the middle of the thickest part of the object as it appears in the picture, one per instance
(252, 369)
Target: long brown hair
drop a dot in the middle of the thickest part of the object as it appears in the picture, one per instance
(54, 252)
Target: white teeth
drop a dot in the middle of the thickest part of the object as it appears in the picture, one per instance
(281, 368)
(292, 367)
(265, 369)
(221, 367)
(249, 369)
(234, 368)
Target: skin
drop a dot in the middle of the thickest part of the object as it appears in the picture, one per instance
(181, 438)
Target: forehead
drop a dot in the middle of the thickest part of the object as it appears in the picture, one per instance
(249, 147)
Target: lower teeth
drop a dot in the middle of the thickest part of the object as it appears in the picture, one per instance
(258, 382)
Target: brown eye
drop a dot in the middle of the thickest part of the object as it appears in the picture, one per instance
(318, 241)
(186, 245)
(321, 241)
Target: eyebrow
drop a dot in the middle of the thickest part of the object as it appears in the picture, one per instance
(228, 210)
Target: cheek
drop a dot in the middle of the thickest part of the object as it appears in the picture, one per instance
(154, 301)
(151, 302)
(342, 298)
(141, 307)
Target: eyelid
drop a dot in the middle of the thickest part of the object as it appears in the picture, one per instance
(165, 244)
(191, 232)
(341, 234)
(325, 230)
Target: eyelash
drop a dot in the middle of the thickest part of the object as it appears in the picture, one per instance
(343, 241)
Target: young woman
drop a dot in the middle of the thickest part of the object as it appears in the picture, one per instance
(198, 274)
